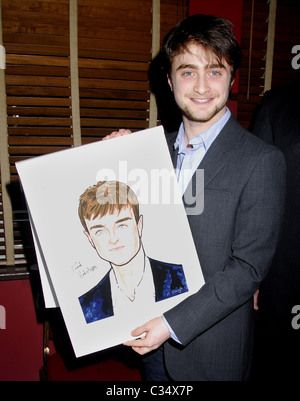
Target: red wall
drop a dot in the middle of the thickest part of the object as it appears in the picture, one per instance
(231, 10)
(21, 343)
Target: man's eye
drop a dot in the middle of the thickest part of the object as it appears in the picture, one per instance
(188, 73)
(122, 226)
(100, 232)
(215, 73)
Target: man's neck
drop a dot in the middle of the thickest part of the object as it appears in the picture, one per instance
(129, 276)
(194, 128)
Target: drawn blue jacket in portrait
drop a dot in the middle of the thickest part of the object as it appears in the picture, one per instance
(169, 280)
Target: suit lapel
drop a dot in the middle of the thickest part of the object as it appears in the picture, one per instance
(171, 138)
(219, 151)
(217, 154)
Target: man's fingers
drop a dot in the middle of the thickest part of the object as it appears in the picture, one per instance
(139, 342)
(256, 300)
(141, 350)
(141, 345)
(139, 331)
(153, 334)
(116, 134)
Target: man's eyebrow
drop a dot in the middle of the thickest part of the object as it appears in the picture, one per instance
(216, 65)
(124, 219)
(193, 66)
(116, 222)
(97, 226)
(183, 66)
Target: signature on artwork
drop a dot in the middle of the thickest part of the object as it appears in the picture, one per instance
(81, 270)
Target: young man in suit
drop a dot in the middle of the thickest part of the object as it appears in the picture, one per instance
(208, 336)
(109, 213)
(277, 122)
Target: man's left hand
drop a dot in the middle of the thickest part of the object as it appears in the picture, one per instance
(155, 334)
(255, 299)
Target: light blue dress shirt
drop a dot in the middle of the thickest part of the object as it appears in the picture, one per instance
(189, 159)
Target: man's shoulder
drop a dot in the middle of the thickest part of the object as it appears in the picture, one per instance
(96, 304)
(164, 265)
(248, 142)
(97, 290)
(169, 279)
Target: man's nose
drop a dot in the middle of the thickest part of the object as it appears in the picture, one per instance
(113, 237)
(201, 84)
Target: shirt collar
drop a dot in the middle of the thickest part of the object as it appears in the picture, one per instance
(205, 139)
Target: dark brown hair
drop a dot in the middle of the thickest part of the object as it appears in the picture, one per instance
(213, 33)
(104, 198)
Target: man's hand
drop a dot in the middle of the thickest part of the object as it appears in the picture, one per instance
(116, 134)
(156, 333)
(255, 300)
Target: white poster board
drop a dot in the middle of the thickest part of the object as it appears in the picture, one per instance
(70, 266)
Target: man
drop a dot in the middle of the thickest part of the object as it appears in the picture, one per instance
(109, 213)
(277, 342)
(236, 234)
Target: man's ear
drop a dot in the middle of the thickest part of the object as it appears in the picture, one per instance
(140, 225)
(170, 82)
(89, 238)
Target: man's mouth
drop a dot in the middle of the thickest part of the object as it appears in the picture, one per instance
(118, 248)
(197, 100)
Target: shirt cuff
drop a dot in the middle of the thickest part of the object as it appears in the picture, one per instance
(173, 335)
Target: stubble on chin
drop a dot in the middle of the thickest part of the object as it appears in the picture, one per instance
(203, 117)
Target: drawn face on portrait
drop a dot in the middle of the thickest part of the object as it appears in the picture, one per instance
(116, 236)
(109, 212)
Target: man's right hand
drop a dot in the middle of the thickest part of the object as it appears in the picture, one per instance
(116, 134)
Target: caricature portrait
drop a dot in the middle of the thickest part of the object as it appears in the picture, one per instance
(109, 213)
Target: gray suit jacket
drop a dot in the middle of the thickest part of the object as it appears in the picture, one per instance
(235, 237)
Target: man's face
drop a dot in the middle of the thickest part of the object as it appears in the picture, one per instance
(200, 84)
(116, 237)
